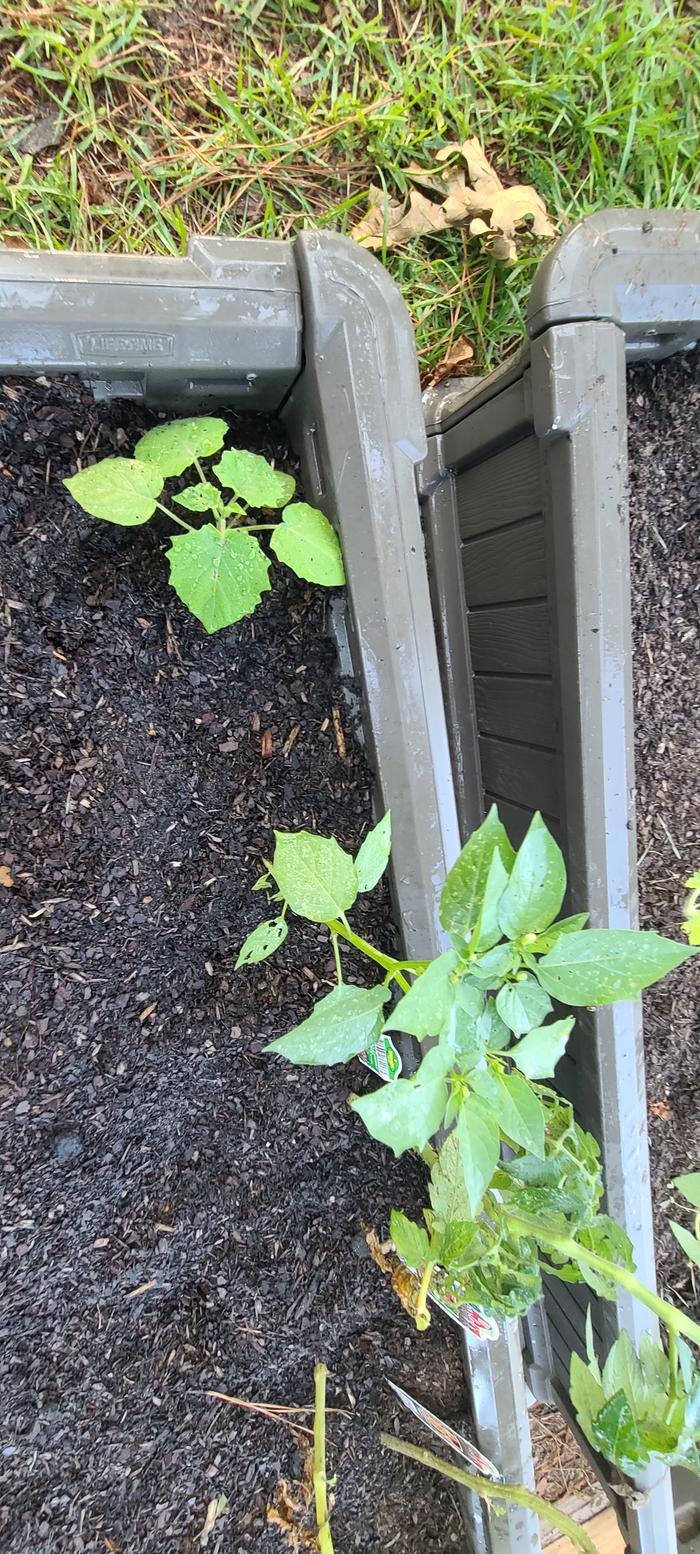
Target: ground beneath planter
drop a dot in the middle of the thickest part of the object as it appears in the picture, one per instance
(664, 445)
(181, 1213)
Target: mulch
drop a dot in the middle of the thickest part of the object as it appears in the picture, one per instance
(664, 445)
(181, 1212)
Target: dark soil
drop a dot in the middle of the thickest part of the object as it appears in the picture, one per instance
(664, 442)
(181, 1213)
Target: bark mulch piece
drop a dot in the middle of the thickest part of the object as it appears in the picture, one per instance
(664, 446)
(181, 1213)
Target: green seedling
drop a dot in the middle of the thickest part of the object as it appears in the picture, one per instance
(219, 570)
(516, 1185)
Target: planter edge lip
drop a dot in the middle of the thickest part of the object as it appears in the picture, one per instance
(639, 269)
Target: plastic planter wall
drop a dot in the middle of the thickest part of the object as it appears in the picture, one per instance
(524, 497)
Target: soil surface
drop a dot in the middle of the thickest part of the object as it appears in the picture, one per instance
(664, 445)
(181, 1213)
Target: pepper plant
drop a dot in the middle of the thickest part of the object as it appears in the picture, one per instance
(515, 1185)
(219, 570)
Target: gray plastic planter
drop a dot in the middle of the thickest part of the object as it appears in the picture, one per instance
(525, 507)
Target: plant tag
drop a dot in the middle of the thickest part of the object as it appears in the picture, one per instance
(383, 1059)
(469, 1318)
(450, 1437)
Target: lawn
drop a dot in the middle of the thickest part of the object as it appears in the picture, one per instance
(258, 118)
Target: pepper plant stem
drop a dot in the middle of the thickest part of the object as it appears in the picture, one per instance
(387, 962)
(325, 1541)
(487, 1490)
(675, 1321)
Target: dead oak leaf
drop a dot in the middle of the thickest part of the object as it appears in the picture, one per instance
(456, 363)
(389, 224)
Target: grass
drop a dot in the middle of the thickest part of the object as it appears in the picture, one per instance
(256, 117)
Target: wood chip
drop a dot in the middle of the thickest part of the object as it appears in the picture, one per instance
(266, 744)
(291, 739)
(339, 735)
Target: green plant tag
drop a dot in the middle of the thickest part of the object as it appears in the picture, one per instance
(308, 543)
(480, 1143)
(373, 855)
(405, 1115)
(220, 576)
(174, 447)
(425, 1009)
(341, 1025)
(121, 491)
(535, 890)
(602, 965)
(202, 498)
(314, 874)
(262, 942)
(253, 479)
(463, 891)
(523, 1005)
(539, 1052)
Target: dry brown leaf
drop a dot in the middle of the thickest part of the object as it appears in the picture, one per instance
(456, 362)
(661, 1110)
(290, 1508)
(377, 1252)
(388, 224)
(5, 877)
(492, 210)
(404, 1283)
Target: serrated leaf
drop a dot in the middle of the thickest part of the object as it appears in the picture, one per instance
(654, 1364)
(689, 1242)
(373, 855)
(537, 883)
(174, 447)
(463, 891)
(341, 1025)
(480, 1144)
(262, 942)
(220, 576)
(461, 1244)
(689, 1186)
(586, 1392)
(538, 1053)
(405, 1114)
(121, 491)
(615, 1433)
(410, 1240)
(622, 1372)
(314, 874)
(254, 479)
(448, 1193)
(602, 965)
(425, 1009)
(523, 1005)
(308, 543)
(202, 498)
(546, 941)
(516, 1107)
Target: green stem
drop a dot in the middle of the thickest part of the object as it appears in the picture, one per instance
(673, 1360)
(421, 1316)
(517, 1494)
(170, 514)
(363, 945)
(336, 956)
(323, 1530)
(200, 472)
(675, 1321)
(251, 527)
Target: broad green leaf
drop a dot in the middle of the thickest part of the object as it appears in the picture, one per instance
(373, 855)
(615, 1432)
(515, 1105)
(492, 1029)
(121, 491)
(602, 965)
(219, 576)
(341, 1025)
(463, 891)
(314, 874)
(535, 890)
(546, 941)
(689, 1186)
(497, 963)
(523, 1005)
(622, 1372)
(480, 1144)
(462, 1029)
(407, 1112)
(488, 930)
(689, 1242)
(586, 1394)
(202, 498)
(539, 1052)
(448, 1193)
(262, 942)
(308, 543)
(174, 447)
(254, 479)
(461, 1244)
(425, 1009)
(410, 1240)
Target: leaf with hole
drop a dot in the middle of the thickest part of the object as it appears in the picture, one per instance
(262, 942)
(253, 479)
(121, 491)
(220, 576)
(314, 875)
(307, 543)
(341, 1025)
(174, 447)
(202, 498)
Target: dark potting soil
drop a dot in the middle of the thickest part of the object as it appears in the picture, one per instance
(181, 1212)
(664, 446)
